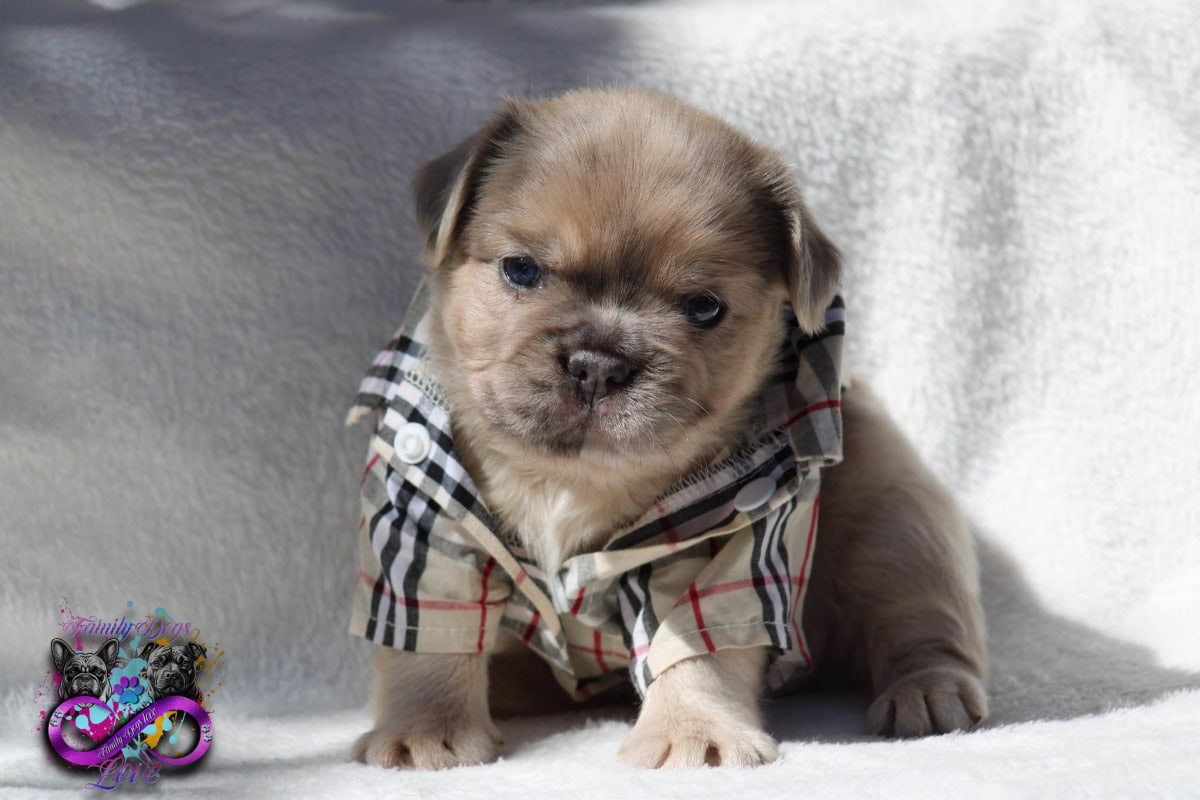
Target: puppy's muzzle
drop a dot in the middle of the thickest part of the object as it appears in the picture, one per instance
(595, 375)
(170, 679)
(85, 686)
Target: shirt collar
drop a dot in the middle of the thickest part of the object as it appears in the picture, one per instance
(795, 426)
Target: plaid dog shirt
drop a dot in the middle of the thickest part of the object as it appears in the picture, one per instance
(721, 560)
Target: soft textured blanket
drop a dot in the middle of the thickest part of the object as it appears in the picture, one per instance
(205, 234)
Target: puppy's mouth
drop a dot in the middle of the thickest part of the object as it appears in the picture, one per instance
(570, 418)
(85, 686)
(169, 681)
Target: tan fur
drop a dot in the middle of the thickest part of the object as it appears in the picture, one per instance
(894, 593)
(633, 202)
(430, 710)
(704, 711)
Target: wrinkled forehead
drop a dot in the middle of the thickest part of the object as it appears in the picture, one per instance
(85, 661)
(624, 204)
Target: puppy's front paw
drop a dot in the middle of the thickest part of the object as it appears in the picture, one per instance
(936, 700)
(659, 741)
(467, 745)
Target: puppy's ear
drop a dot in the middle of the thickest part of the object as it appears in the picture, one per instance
(108, 652)
(61, 653)
(196, 650)
(445, 190)
(812, 265)
(145, 650)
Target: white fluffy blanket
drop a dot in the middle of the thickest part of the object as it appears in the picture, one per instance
(205, 234)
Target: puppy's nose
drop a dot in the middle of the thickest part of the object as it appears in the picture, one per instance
(597, 375)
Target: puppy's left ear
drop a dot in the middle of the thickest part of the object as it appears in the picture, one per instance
(812, 265)
(196, 650)
(108, 652)
(61, 652)
(446, 189)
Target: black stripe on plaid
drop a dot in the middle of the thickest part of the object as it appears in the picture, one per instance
(409, 352)
(782, 457)
(637, 614)
(380, 586)
(422, 526)
(763, 567)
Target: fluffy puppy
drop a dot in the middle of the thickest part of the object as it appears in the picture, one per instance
(608, 271)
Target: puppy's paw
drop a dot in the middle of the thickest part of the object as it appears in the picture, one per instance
(936, 700)
(467, 745)
(666, 742)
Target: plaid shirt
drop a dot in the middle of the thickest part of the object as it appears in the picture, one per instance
(721, 559)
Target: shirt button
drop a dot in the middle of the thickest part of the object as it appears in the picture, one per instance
(754, 494)
(413, 443)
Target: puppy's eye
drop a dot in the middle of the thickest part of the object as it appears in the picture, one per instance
(521, 271)
(704, 310)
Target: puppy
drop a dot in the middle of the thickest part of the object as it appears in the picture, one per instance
(604, 439)
(84, 674)
(171, 669)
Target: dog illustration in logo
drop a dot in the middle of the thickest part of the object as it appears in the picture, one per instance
(171, 668)
(84, 674)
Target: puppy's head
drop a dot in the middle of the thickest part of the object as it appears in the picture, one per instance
(171, 669)
(610, 274)
(84, 674)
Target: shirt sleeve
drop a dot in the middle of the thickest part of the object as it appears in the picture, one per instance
(742, 590)
(423, 584)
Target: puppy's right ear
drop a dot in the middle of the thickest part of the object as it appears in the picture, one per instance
(145, 650)
(61, 653)
(446, 189)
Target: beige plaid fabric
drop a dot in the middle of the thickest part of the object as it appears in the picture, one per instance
(721, 560)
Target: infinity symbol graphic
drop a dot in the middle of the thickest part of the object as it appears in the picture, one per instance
(132, 728)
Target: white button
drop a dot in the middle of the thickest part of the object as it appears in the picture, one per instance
(412, 443)
(754, 494)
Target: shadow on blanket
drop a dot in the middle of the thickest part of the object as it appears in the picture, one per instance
(1047, 667)
(1044, 666)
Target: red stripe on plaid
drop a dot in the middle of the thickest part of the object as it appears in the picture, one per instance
(731, 586)
(598, 652)
(578, 602)
(487, 570)
(812, 530)
(521, 576)
(799, 415)
(412, 602)
(362, 521)
(367, 471)
(695, 598)
(533, 623)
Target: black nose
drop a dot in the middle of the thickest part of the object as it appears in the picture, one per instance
(597, 375)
